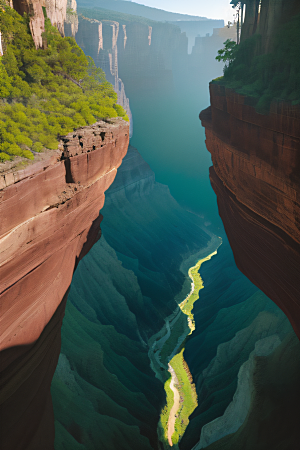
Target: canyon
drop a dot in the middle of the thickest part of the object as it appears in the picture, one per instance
(243, 352)
(121, 293)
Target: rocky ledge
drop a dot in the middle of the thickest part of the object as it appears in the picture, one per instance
(49, 220)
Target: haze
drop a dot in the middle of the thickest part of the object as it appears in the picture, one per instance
(217, 9)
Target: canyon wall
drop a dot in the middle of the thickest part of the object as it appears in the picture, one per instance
(58, 11)
(255, 176)
(257, 159)
(100, 41)
(49, 221)
(141, 53)
(34, 9)
(265, 18)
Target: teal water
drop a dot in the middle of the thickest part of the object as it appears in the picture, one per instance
(169, 136)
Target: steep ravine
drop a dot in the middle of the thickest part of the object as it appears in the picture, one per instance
(120, 296)
(49, 221)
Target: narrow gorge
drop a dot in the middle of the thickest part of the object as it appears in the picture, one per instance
(149, 266)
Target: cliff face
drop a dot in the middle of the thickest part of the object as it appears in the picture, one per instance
(47, 211)
(257, 160)
(255, 175)
(138, 53)
(34, 9)
(58, 11)
(49, 221)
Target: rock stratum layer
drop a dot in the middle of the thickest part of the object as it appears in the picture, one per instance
(256, 175)
(47, 211)
(49, 221)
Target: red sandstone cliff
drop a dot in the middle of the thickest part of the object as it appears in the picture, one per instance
(257, 157)
(256, 176)
(46, 212)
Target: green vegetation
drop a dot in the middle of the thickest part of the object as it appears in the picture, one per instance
(227, 54)
(46, 92)
(164, 417)
(188, 395)
(188, 304)
(267, 77)
(185, 385)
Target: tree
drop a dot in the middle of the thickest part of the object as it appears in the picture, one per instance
(227, 54)
(239, 7)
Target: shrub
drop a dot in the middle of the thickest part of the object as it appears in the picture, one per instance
(47, 92)
(4, 157)
(37, 147)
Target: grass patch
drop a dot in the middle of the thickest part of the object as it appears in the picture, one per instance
(188, 395)
(188, 304)
(164, 417)
(185, 385)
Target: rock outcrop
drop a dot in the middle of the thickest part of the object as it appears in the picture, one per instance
(49, 221)
(34, 9)
(58, 11)
(47, 211)
(71, 22)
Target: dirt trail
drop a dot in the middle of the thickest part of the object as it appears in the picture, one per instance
(175, 407)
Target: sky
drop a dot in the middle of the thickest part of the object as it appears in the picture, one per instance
(213, 9)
